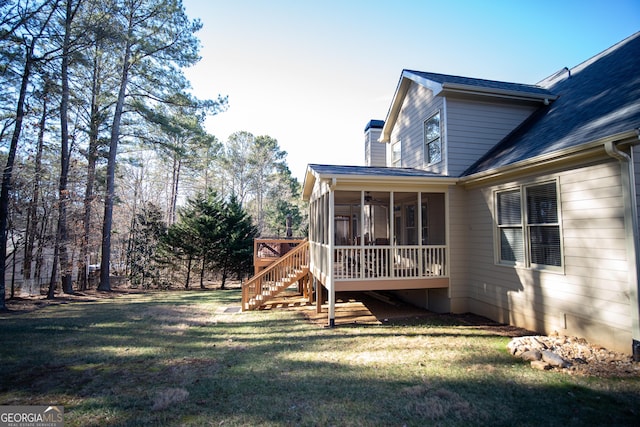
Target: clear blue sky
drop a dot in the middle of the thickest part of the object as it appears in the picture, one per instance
(311, 74)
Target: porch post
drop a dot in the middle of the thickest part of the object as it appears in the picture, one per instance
(318, 293)
(331, 288)
(392, 232)
(419, 228)
(362, 233)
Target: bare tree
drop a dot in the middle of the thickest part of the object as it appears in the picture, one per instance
(31, 31)
(158, 38)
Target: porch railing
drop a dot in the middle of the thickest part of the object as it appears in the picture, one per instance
(268, 250)
(389, 262)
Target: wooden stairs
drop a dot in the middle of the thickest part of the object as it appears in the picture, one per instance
(291, 268)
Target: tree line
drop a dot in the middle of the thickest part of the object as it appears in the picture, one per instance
(101, 133)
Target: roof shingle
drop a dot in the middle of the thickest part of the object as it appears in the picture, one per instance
(596, 99)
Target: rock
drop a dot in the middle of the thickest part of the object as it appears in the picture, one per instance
(554, 360)
(531, 355)
(540, 365)
(582, 357)
(536, 342)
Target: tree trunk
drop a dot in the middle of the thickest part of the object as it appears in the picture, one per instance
(37, 274)
(32, 212)
(51, 294)
(175, 182)
(224, 278)
(204, 263)
(225, 267)
(105, 284)
(92, 157)
(8, 169)
(186, 285)
(65, 153)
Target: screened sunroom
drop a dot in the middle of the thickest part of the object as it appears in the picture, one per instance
(376, 228)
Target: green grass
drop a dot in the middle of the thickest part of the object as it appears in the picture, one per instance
(173, 359)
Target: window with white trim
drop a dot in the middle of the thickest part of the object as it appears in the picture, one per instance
(528, 226)
(432, 140)
(396, 154)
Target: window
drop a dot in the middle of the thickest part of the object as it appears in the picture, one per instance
(529, 229)
(396, 155)
(543, 228)
(432, 140)
(510, 227)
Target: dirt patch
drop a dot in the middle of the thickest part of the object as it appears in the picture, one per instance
(353, 308)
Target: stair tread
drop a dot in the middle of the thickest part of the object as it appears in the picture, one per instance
(282, 276)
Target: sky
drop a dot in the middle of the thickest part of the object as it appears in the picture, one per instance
(312, 74)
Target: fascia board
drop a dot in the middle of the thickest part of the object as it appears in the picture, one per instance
(451, 88)
(310, 178)
(344, 180)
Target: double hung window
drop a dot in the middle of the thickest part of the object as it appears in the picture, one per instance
(432, 140)
(396, 154)
(528, 226)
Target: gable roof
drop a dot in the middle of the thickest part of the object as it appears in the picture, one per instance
(596, 99)
(444, 85)
(453, 83)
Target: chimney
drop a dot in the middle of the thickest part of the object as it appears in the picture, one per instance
(375, 153)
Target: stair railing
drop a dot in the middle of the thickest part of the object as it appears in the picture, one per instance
(275, 278)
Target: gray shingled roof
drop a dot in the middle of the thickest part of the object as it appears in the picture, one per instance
(488, 84)
(372, 171)
(596, 99)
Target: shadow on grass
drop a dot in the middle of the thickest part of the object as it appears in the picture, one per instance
(169, 359)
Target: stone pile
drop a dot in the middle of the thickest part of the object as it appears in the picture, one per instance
(572, 355)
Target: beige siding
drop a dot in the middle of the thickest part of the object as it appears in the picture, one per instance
(474, 127)
(469, 128)
(418, 105)
(636, 167)
(589, 297)
(458, 253)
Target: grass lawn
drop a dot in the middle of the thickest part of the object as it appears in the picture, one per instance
(175, 358)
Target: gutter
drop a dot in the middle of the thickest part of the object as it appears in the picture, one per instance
(631, 231)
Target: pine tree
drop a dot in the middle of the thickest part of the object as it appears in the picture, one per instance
(236, 254)
(149, 229)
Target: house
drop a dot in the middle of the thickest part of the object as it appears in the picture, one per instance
(516, 202)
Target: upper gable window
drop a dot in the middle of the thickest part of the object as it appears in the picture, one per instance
(396, 154)
(432, 140)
